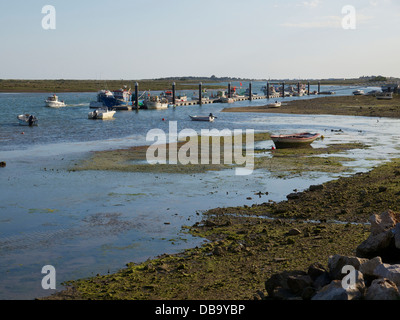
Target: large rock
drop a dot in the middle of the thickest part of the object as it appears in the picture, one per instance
(388, 271)
(369, 266)
(396, 232)
(336, 291)
(382, 289)
(277, 285)
(337, 262)
(383, 222)
(385, 234)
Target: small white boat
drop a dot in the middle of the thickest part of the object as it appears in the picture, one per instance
(27, 120)
(227, 100)
(384, 96)
(53, 102)
(155, 102)
(358, 92)
(209, 118)
(276, 104)
(101, 114)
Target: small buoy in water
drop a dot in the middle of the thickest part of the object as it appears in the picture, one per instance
(322, 137)
(273, 148)
(163, 119)
(22, 132)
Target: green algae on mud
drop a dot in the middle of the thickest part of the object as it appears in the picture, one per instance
(245, 248)
(241, 254)
(285, 161)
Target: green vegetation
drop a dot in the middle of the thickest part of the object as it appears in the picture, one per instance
(279, 162)
(62, 85)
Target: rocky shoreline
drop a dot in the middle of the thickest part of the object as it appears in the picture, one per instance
(376, 270)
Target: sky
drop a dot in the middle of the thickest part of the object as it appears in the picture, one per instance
(147, 39)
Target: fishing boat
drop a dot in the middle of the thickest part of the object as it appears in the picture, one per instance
(275, 104)
(209, 118)
(27, 120)
(53, 102)
(294, 140)
(155, 102)
(101, 114)
(384, 96)
(118, 99)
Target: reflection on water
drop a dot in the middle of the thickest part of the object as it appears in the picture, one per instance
(85, 223)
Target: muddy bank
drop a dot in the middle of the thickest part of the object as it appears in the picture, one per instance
(279, 162)
(244, 248)
(333, 105)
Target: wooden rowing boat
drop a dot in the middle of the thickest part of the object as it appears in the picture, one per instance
(294, 140)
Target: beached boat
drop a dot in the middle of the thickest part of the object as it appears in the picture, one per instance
(209, 118)
(358, 92)
(372, 93)
(155, 102)
(384, 96)
(101, 114)
(275, 104)
(27, 120)
(294, 140)
(53, 102)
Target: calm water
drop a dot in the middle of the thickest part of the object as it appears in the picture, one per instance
(84, 223)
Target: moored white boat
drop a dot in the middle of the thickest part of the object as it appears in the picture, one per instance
(53, 102)
(101, 114)
(209, 118)
(27, 120)
(154, 102)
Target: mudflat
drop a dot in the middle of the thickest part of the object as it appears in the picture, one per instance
(368, 106)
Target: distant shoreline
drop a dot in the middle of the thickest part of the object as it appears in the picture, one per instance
(183, 83)
(367, 106)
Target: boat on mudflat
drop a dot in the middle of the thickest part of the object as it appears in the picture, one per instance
(275, 104)
(294, 140)
(384, 96)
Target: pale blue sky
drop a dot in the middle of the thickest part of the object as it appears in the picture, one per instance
(140, 39)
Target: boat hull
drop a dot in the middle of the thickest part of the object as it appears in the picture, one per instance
(196, 118)
(101, 115)
(156, 105)
(23, 120)
(54, 104)
(295, 140)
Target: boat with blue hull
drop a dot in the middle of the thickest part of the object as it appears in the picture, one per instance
(119, 99)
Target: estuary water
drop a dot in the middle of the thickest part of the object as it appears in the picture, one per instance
(88, 223)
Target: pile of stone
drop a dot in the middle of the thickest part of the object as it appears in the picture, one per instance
(373, 274)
